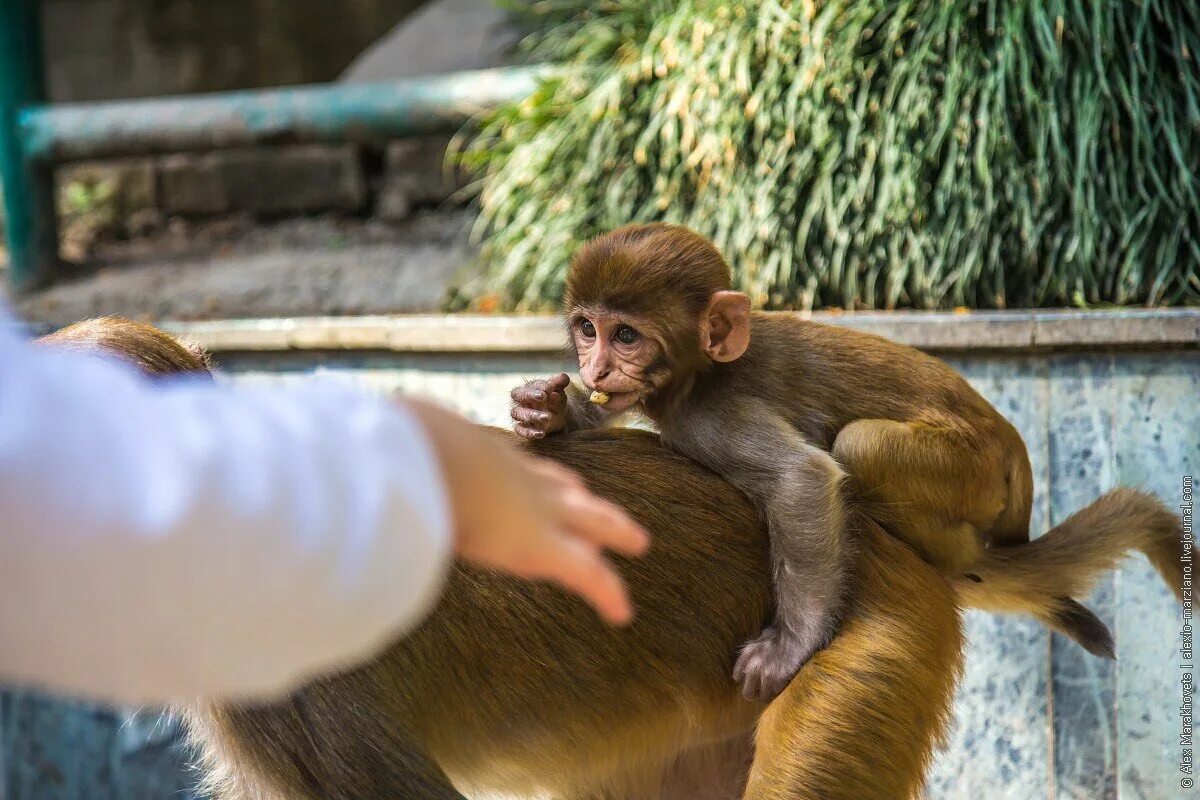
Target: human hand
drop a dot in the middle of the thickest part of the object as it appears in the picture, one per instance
(530, 517)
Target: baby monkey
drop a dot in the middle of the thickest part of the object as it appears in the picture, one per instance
(783, 409)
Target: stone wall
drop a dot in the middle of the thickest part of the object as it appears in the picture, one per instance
(105, 49)
(135, 196)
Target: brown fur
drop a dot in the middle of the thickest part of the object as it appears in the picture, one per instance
(1072, 555)
(151, 350)
(834, 698)
(518, 688)
(610, 271)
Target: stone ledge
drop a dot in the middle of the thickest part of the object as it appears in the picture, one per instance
(943, 332)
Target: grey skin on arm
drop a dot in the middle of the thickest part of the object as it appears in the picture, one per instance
(798, 489)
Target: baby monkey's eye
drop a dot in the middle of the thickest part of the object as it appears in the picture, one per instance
(587, 329)
(626, 335)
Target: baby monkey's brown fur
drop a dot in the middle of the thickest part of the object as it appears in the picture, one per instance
(785, 408)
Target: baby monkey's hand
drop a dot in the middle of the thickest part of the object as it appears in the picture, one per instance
(541, 407)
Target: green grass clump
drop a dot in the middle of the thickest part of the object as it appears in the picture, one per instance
(861, 153)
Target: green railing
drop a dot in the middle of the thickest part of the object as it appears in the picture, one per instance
(34, 136)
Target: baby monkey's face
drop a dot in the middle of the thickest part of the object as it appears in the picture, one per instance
(616, 357)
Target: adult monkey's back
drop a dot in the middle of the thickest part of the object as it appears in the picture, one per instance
(520, 689)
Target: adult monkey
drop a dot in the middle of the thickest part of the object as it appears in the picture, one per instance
(783, 408)
(519, 688)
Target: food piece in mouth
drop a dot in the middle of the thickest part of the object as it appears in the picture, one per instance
(599, 398)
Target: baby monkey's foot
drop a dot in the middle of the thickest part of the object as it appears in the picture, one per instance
(768, 662)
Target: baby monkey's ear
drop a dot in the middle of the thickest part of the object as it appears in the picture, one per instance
(725, 326)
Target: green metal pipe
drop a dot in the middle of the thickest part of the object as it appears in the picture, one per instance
(324, 113)
(28, 186)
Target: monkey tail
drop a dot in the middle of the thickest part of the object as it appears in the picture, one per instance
(1041, 577)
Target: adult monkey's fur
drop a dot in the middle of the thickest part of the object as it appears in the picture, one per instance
(520, 688)
(153, 351)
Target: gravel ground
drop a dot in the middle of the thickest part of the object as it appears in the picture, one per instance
(233, 268)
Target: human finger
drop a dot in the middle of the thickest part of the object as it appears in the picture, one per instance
(602, 523)
(555, 475)
(579, 568)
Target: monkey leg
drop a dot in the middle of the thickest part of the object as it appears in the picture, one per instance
(944, 489)
(950, 493)
(861, 719)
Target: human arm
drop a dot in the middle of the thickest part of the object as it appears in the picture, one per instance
(175, 540)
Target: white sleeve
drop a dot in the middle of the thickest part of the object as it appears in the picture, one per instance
(172, 541)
